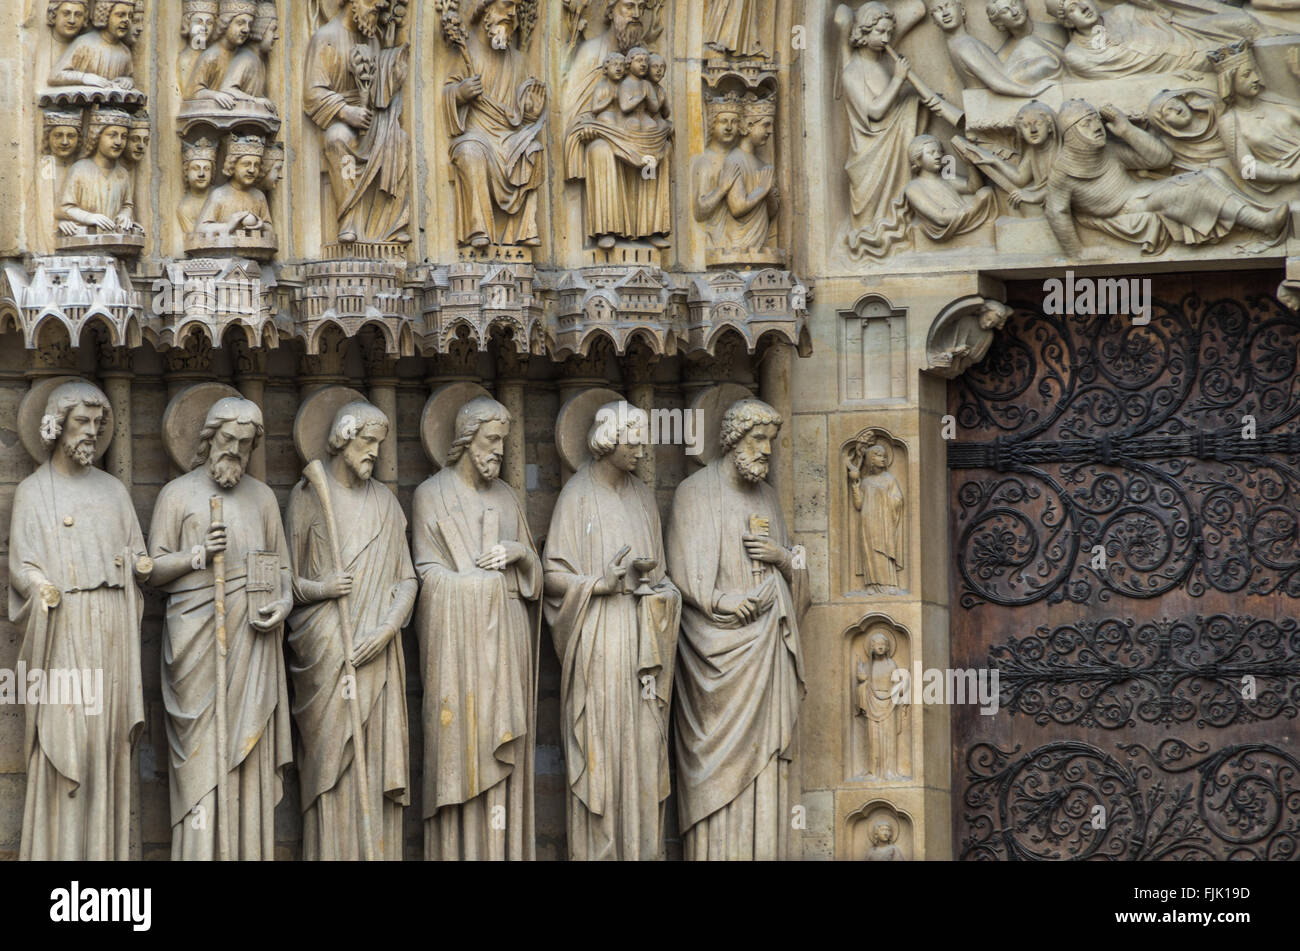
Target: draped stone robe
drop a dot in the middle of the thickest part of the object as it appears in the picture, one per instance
(257, 704)
(78, 804)
(615, 728)
(738, 685)
(92, 53)
(97, 191)
(751, 230)
(478, 663)
(877, 553)
(372, 542)
(226, 201)
(499, 155)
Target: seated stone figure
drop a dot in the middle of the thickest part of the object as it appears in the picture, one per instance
(1141, 37)
(1260, 132)
(101, 57)
(1038, 141)
(940, 206)
(98, 196)
(1091, 184)
(1032, 51)
(976, 65)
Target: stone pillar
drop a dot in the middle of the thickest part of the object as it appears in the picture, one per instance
(512, 374)
(115, 371)
(775, 368)
(639, 373)
(381, 380)
(250, 380)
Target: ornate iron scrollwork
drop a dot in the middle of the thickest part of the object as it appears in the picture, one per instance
(1072, 800)
(1137, 444)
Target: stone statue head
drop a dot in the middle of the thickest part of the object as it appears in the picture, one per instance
(107, 134)
(626, 19)
(230, 433)
(62, 132)
(1081, 126)
(638, 62)
(137, 23)
(197, 21)
(724, 118)
(658, 67)
(993, 315)
(620, 433)
(199, 160)
(358, 431)
(235, 21)
(244, 160)
(266, 26)
(365, 15)
(925, 153)
(1036, 125)
(498, 19)
(74, 416)
(114, 17)
(758, 119)
(749, 428)
(481, 428)
(1076, 15)
(272, 166)
(948, 15)
(615, 65)
(882, 833)
(1007, 15)
(137, 138)
(879, 645)
(1237, 72)
(873, 26)
(68, 17)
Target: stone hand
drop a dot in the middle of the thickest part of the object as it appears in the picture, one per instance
(614, 573)
(1115, 120)
(271, 616)
(371, 645)
(356, 116)
(49, 593)
(741, 606)
(224, 99)
(469, 89)
(143, 568)
(215, 541)
(103, 222)
(124, 222)
(338, 586)
(534, 101)
(763, 548)
(123, 82)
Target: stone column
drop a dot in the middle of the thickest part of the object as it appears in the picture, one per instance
(325, 368)
(115, 371)
(381, 380)
(250, 380)
(639, 371)
(775, 368)
(512, 374)
(188, 364)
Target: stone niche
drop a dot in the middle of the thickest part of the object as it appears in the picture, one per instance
(866, 831)
(871, 479)
(878, 731)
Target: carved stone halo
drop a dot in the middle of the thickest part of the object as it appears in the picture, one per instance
(574, 423)
(311, 427)
(438, 424)
(183, 420)
(715, 401)
(32, 409)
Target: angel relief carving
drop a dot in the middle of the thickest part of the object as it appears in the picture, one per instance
(1189, 149)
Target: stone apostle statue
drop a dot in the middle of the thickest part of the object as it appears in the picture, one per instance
(616, 645)
(184, 540)
(376, 585)
(477, 566)
(75, 554)
(739, 669)
(366, 148)
(496, 114)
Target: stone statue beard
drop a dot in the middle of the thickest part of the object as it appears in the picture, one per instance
(366, 18)
(362, 468)
(628, 34)
(82, 452)
(226, 470)
(488, 463)
(751, 465)
(499, 27)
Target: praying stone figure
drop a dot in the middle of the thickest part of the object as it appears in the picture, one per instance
(75, 556)
(753, 198)
(1032, 52)
(1090, 184)
(1260, 132)
(944, 207)
(622, 161)
(739, 679)
(478, 566)
(886, 719)
(101, 57)
(198, 160)
(67, 17)
(62, 133)
(366, 149)
(375, 583)
(883, 847)
(710, 188)
(976, 65)
(732, 27)
(496, 114)
(1141, 37)
(616, 641)
(878, 501)
(236, 215)
(98, 196)
(184, 539)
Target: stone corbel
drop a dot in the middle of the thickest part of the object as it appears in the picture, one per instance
(961, 335)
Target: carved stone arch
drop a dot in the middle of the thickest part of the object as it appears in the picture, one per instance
(383, 327)
(873, 351)
(188, 328)
(321, 329)
(901, 720)
(97, 317)
(40, 327)
(11, 320)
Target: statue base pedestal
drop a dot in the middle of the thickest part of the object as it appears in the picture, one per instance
(502, 253)
(126, 244)
(365, 251)
(742, 258)
(244, 244)
(624, 254)
(246, 116)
